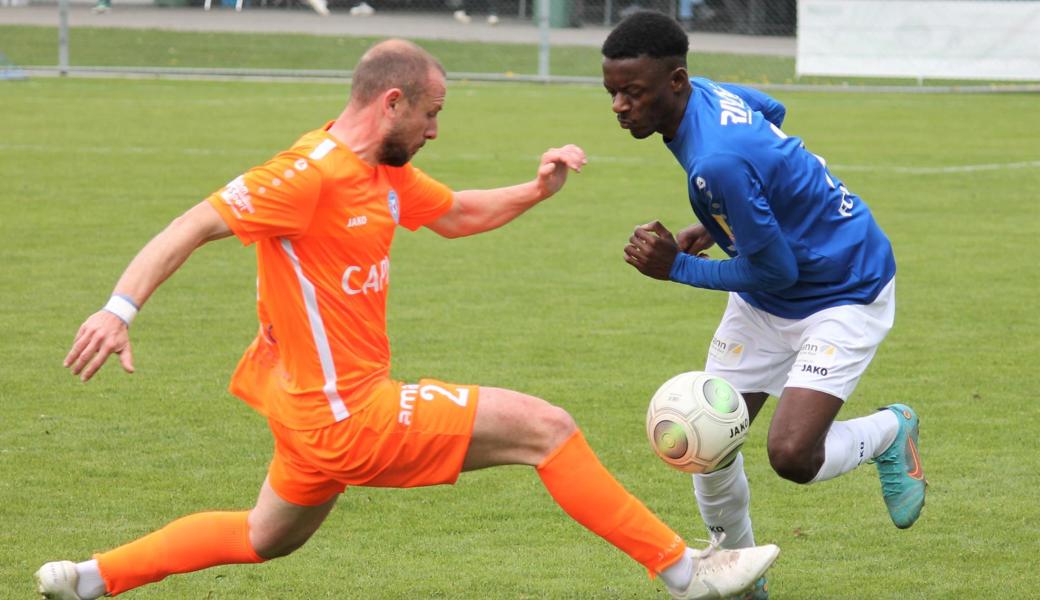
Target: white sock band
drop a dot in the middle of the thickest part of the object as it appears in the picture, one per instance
(122, 307)
(724, 499)
(852, 443)
(89, 585)
(677, 576)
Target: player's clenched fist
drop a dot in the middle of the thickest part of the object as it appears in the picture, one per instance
(651, 250)
(695, 239)
(101, 335)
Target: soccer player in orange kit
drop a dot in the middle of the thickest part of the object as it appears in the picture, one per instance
(322, 216)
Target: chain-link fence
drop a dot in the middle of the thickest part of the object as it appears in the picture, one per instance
(750, 41)
(756, 17)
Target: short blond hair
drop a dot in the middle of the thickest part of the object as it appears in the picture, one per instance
(392, 64)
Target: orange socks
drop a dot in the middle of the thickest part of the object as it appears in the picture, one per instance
(591, 496)
(572, 474)
(188, 544)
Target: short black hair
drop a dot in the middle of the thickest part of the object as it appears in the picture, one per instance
(647, 33)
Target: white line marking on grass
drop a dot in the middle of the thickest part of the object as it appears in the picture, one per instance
(474, 157)
(1030, 164)
(64, 149)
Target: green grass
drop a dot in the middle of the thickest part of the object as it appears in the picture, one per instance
(92, 168)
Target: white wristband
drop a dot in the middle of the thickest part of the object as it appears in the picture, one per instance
(121, 306)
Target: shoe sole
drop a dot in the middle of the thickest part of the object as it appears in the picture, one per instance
(774, 553)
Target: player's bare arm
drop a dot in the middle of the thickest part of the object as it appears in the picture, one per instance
(477, 211)
(652, 250)
(105, 333)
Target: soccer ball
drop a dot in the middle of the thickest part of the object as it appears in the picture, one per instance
(697, 422)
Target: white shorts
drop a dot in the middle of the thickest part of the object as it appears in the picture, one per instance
(827, 351)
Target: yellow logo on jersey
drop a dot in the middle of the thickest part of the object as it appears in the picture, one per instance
(721, 220)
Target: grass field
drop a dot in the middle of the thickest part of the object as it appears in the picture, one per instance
(90, 169)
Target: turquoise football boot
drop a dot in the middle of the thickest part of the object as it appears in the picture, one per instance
(759, 592)
(902, 475)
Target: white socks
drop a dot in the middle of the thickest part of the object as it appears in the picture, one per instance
(724, 497)
(678, 575)
(724, 500)
(852, 443)
(89, 585)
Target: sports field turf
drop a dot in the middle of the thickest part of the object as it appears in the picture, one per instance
(90, 169)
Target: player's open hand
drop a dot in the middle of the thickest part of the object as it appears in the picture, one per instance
(552, 171)
(652, 250)
(101, 335)
(695, 239)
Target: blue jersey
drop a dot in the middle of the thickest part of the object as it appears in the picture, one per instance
(754, 187)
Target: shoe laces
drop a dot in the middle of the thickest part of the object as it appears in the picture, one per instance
(713, 544)
(714, 559)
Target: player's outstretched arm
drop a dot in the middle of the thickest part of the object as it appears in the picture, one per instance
(106, 332)
(477, 211)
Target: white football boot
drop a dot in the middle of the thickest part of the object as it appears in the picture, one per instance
(57, 581)
(723, 573)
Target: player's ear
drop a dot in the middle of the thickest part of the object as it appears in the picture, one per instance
(679, 78)
(393, 100)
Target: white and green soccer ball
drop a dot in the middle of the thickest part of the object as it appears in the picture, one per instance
(697, 422)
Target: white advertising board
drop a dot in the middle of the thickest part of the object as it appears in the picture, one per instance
(998, 40)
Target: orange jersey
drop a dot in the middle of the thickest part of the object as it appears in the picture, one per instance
(322, 221)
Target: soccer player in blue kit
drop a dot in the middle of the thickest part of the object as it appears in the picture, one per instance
(810, 275)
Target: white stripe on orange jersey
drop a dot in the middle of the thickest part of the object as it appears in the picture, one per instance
(321, 340)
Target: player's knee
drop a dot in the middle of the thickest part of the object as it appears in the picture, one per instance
(556, 426)
(791, 462)
(276, 546)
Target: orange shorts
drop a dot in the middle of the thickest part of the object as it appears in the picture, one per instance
(408, 435)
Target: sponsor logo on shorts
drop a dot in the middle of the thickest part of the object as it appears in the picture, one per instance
(816, 358)
(430, 391)
(727, 353)
(814, 369)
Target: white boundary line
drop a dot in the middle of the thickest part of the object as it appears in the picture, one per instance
(1030, 164)
(137, 150)
(314, 76)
